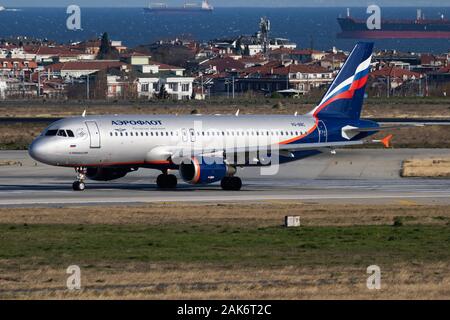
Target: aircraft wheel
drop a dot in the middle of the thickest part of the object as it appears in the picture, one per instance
(167, 181)
(231, 183)
(78, 186)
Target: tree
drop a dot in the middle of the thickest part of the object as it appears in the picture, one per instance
(163, 95)
(106, 50)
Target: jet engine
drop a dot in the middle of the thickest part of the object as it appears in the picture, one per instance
(107, 174)
(204, 170)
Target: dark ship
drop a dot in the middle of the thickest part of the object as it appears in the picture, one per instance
(420, 28)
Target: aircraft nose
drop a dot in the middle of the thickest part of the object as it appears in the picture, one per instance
(40, 150)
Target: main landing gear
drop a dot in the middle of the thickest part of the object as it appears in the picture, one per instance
(79, 185)
(167, 181)
(231, 183)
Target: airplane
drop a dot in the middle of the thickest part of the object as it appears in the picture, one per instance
(210, 148)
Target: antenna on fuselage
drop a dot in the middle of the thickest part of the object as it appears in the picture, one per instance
(84, 113)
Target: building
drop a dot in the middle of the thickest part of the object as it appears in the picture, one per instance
(150, 79)
(119, 86)
(397, 76)
(81, 69)
(16, 67)
(274, 76)
(3, 87)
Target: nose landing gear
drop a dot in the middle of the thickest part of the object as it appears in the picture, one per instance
(79, 185)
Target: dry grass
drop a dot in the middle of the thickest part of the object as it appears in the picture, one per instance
(261, 214)
(375, 108)
(7, 163)
(156, 281)
(431, 168)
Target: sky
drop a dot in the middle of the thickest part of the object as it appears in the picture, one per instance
(227, 3)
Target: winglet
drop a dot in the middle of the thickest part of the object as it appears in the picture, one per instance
(84, 113)
(237, 113)
(387, 141)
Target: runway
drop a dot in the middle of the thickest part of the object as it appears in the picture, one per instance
(351, 176)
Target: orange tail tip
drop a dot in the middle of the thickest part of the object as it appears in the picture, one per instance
(387, 141)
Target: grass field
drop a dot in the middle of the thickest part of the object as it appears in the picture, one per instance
(226, 251)
(380, 108)
(434, 168)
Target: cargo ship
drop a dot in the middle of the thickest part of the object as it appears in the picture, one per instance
(204, 7)
(420, 28)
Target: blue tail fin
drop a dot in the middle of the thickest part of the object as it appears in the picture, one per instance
(345, 97)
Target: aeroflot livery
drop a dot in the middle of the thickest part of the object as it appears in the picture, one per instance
(208, 149)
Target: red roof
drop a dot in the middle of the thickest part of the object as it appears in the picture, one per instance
(21, 64)
(281, 51)
(275, 67)
(340, 56)
(305, 51)
(394, 72)
(55, 51)
(224, 64)
(163, 66)
(86, 65)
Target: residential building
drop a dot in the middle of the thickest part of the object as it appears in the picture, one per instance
(83, 68)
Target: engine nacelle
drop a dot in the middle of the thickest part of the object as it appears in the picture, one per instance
(205, 170)
(106, 174)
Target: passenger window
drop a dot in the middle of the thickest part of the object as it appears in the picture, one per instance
(117, 134)
(51, 133)
(62, 133)
(111, 134)
(131, 133)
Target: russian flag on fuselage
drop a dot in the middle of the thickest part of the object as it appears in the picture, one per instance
(344, 98)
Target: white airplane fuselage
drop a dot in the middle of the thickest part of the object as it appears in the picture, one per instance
(144, 141)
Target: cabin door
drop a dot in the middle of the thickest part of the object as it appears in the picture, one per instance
(94, 133)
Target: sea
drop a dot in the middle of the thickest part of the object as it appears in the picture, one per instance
(308, 27)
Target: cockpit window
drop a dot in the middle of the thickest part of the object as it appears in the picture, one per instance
(62, 133)
(70, 133)
(51, 133)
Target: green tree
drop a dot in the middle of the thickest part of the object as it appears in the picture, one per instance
(106, 50)
(163, 95)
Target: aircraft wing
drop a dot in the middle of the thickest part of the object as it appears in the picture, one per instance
(350, 132)
(283, 150)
